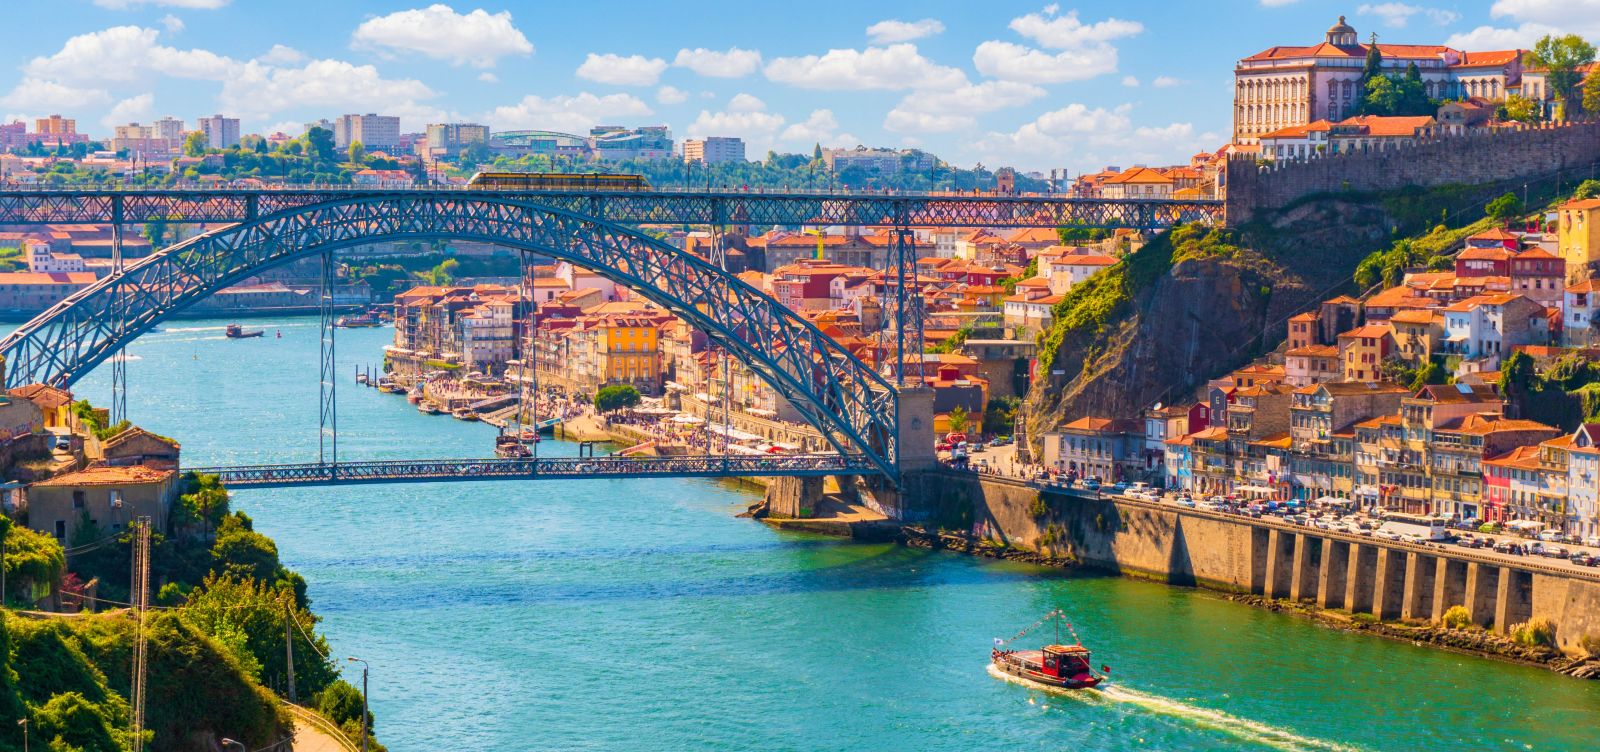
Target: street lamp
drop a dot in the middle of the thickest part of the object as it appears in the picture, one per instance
(24, 724)
(364, 668)
(226, 742)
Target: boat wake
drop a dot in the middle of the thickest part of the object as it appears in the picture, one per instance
(1245, 730)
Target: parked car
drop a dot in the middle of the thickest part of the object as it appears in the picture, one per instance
(1584, 560)
(1558, 552)
(1549, 536)
(1091, 485)
(1508, 547)
(63, 443)
(1592, 541)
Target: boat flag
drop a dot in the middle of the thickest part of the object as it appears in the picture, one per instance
(1105, 668)
(999, 642)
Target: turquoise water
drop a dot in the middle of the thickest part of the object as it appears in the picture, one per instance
(634, 615)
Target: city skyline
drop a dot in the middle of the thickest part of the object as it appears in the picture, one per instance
(1030, 85)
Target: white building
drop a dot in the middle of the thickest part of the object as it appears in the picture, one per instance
(1285, 86)
(41, 259)
(221, 132)
(1580, 306)
(713, 150)
(374, 132)
(1583, 479)
(487, 336)
(169, 128)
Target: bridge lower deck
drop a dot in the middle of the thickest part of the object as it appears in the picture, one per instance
(543, 468)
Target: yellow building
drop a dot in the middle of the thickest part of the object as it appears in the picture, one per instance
(630, 352)
(1578, 237)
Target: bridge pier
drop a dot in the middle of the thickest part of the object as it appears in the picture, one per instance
(793, 498)
(1335, 566)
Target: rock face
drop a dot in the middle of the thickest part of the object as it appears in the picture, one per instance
(1206, 316)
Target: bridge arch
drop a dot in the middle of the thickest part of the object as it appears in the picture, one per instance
(850, 404)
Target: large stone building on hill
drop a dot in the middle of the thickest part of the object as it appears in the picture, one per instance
(1286, 86)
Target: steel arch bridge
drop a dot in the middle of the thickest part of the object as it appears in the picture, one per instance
(851, 405)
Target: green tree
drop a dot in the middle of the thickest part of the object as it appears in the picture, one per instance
(32, 558)
(341, 703)
(1591, 95)
(244, 553)
(1587, 189)
(358, 153)
(958, 419)
(1518, 108)
(194, 144)
(224, 605)
(1505, 208)
(320, 143)
(1517, 376)
(1561, 57)
(616, 397)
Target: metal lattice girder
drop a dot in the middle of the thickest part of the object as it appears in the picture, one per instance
(851, 405)
(545, 468)
(91, 205)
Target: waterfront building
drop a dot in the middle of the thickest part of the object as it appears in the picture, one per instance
(469, 327)
(1138, 182)
(1285, 86)
(1583, 479)
(31, 292)
(374, 132)
(1454, 458)
(221, 132)
(713, 150)
(1103, 448)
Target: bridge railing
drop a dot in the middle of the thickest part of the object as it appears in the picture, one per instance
(401, 471)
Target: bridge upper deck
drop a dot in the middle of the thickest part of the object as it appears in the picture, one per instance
(96, 205)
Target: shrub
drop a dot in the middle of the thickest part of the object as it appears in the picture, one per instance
(1536, 632)
(616, 397)
(1590, 644)
(1037, 508)
(1457, 617)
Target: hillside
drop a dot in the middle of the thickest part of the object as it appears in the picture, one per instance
(1193, 304)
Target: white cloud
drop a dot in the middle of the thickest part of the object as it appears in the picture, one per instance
(130, 110)
(745, 117)
(1067, 32)
(38, 95)
(743, 102)
(954, 109)
(172, 23)
(286, 127)
(1277, 3)
(1531, 19)
(1396, 15)
(129, 4)
(894, 30)
(1166, 82)
(126, 54)
(735, 63)
(894, 67)
(1130, 81)
(670, 95)
(1087, 136)
(488, 78)
(1015, 62)
(282, 55)
(478, 38)
(260, 90)
(568, 114)
(1493, 38)
(633, 70)
(819, 128)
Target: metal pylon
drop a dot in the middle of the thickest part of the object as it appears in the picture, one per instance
(328, 407)
(119, 360)
(139, 596)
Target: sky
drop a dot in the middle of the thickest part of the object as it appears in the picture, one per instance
(1031, 85)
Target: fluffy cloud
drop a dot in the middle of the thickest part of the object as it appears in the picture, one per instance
(1277, 3)
(488, 78)
(633, 70)
(38, 96)
(1087, 136)
(196, 4)
(1166, 82)
(670, 95)
(282, 55)
(1130, 81)
(1067, 32)
(1083, 51)
(744, 116)
(477, 38)
(894, 30)
(1531, 19)
(735, 63)
(894, 67)
(1015, 62)
(125, 54)
(819, 128)
(1396, 15)
(568, 114)
(130, 110)
(172, 23)
(260, 90)
(954, 109)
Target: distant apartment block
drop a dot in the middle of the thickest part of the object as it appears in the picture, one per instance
(55, 125)
(445, 139)
(221, 132)
(375, 132)
(324, 124)
(144, 141)
(713, 150)
(885, 161)
(169, 128)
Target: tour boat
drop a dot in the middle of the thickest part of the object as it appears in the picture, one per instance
(465, 414)
(1055, 665)
(362, 321)
(234, 331)
(428, 408)
(509, 447)
(414, 396)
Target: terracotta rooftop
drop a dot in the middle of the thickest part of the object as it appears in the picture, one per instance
(109, 476)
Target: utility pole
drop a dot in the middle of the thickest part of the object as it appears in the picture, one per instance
(288, 647)
(364, 732)
(141, 602)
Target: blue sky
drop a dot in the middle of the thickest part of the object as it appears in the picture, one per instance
(1074, 85)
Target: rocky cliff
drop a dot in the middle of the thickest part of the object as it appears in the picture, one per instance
(1192, 305)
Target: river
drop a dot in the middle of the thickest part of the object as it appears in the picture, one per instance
(641, 614)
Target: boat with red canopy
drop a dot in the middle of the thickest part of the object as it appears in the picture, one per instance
(1056, 664)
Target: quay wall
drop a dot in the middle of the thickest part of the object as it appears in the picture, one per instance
(1388, 580)
(1486, 158)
